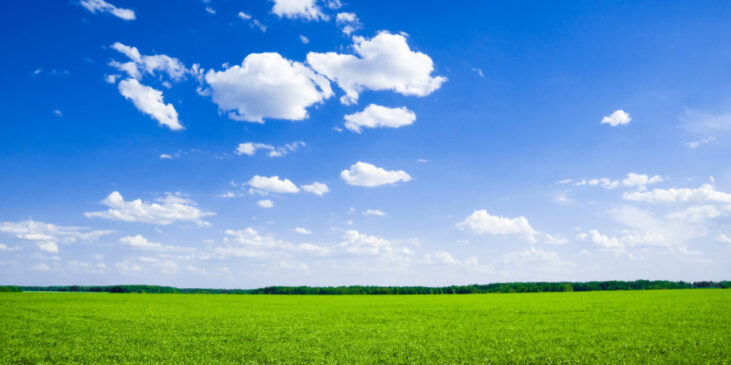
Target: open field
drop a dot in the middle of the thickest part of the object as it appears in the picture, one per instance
(665, 326)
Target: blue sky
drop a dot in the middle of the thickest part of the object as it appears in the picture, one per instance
(302, 142)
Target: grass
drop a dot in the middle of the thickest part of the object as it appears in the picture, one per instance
(662, 326)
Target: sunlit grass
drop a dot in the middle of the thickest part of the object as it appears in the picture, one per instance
(673, 326)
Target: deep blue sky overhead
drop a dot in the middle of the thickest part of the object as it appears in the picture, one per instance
(251, 143)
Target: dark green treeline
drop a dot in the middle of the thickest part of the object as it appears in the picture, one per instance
(394, 290)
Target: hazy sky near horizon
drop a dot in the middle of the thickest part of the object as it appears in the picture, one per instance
(243, 144)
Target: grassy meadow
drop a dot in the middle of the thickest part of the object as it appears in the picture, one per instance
(654, 326)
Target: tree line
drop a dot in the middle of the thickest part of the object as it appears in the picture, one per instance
(517, 287)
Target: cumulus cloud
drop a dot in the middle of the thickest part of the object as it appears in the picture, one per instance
(274, 184)
(481, 222)
(348, 22)
(724, 238)
(365, 174)
(265, 203)
(374, 212)
(316, 188)
(705, 193)
(385, 62)
(150, 102)
(301, 230)
(363, 244)
(167, 210)
(603, 241)
(250, 148)
(47, 236)
(619, 117)
(640, 180)
(266, 85)
(376, 116)
(101, 6)
(139, 63)
(141, 243)
(298, 9)
(249, 242)
(629, 238)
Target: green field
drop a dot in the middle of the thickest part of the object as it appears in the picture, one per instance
(664, 326)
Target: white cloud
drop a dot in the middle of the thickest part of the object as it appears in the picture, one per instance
(481, 222)
(365, 174)
(554, 240)
(696, 213)
(478, 71)
(724, 238)
(141, 243)
(167, 210)
(47, 236)
(376, 116)
(698, 143)
(348, 22)
(257, 24)
(373, 212)
(363, 244)
(149, 64)
(266, 85)
(441, 257)
(316, 188)
(111, 79)
(210, 10)
(301, 230)
(265, 203)
(603, 182)
(304, 39)
(603, 241)
(705, 193)
(273, 184)
(58, 113)
(150, 102)
(631, 180)
(640, 180)
(298, 9)
(629, 238)
(101, 6)
(165, 156)
(619, 117)
(384, 62)
(254, 23)
(333, 4)
(249, 243)
(250, 148)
